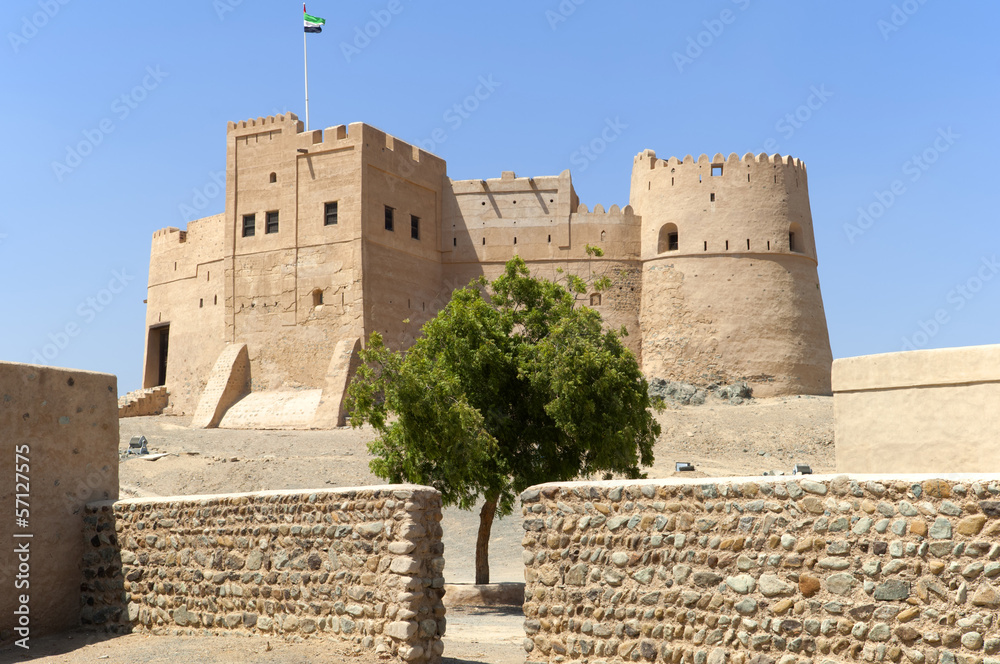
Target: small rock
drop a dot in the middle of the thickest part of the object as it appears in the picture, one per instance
(809, 585)
(986, 595)
(941, 529)
(742, 583)
(892, 590)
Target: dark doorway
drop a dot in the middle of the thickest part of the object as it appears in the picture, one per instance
(155, 371)
(164, 340)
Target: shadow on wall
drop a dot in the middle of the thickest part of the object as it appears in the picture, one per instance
(102, 592)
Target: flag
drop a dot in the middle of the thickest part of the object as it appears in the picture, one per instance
(312, 23)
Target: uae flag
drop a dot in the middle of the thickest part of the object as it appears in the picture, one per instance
(312, 23)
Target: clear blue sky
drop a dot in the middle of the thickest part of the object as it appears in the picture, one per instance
(904, 95)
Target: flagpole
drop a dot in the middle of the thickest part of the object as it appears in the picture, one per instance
(305, 52)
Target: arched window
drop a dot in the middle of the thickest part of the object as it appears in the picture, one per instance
(595, 300)
(796, 239)
(602, 236)
(317, 296)
(274, 178)
(668, 240)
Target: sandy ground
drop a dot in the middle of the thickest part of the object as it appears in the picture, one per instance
(719, 439)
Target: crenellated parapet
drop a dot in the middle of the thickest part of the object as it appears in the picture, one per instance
(169, 235)
(722, 205)
(287, 121)
(749, 160)
(613, 213)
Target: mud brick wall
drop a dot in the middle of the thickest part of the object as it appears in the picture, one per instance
(363, 565)
(764, 570)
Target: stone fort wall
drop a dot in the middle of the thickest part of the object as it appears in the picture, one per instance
(360, 565)
(735, 298)
(807, 569)
(739, 297)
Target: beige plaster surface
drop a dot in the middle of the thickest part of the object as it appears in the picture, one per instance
(920, 411)
(66, 423)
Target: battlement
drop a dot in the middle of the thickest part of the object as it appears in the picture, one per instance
(170, 234)
(613, 214)
(287, 120)
(359, 134)
(649, 158)
(508, 182)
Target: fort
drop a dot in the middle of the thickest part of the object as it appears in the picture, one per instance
(330, 235)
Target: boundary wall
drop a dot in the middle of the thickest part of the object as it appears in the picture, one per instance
(59, 447)
(892, 568)
(363, 565)
(892, 411)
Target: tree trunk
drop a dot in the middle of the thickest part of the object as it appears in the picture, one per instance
(483, 541)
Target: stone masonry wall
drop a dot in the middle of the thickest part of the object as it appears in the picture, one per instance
(362, 565)
(763, 570)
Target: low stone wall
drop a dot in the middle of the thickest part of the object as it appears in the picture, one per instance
(763, 570)
(363, 565)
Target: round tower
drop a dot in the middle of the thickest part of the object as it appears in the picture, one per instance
(730, 287)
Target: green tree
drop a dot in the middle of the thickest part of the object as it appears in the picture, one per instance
(509, 385)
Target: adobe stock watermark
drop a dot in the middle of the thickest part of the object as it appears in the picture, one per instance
(223, 7)
(958, 297)
(714, 28)
(365, 35)
(457, 114)
(202, 197)
(792, 122)
(562, 13)
(914, 169)
(589, 153)
(900, 16)
(32, 24)
(121, 107)
(86, 312)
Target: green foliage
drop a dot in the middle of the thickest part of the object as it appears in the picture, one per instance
(509, 385)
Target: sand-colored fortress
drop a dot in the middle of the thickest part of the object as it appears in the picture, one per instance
(329, 236)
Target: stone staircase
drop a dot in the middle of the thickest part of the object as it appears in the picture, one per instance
(149, 401)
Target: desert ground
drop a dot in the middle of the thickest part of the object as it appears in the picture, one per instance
(761, 435)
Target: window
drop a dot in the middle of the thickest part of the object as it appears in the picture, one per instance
(271, 225)
(795, 239)
(716, 170)
(595, 300)
(712, 198)
(249, 225)
(414, 227)
(454, 241)
(330, 214)
(389, 218)
(274, 178)
(668, 240)
(317, 297)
